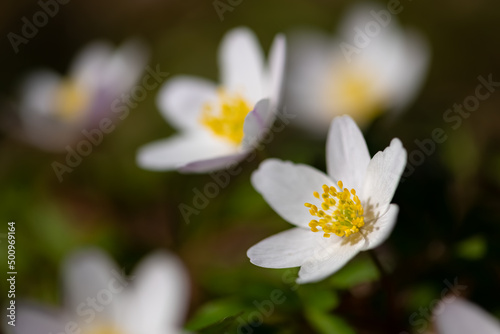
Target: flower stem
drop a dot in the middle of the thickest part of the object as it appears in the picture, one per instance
(388, 287)
(378, 264)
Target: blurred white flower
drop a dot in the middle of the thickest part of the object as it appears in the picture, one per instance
(99, 300)
(362, 72)
(55, 109)
(344, 222)
(459, 316)
(219, 124)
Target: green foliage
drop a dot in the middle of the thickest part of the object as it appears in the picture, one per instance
(216, 316)
(473, 248)
(358, 271)
(328, 323)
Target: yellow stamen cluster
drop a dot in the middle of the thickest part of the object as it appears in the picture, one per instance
(341, 212)
(70, 100)
(226, 118)
(356, 92)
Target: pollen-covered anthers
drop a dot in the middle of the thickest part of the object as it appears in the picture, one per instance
(340, 212)
(226, 117)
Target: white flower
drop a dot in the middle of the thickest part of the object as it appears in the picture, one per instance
(459, 316)
(336, 215)
(361, 73)
(99, 300)
(219, 124)
(55, 109)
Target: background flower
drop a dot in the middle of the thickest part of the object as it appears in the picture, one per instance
(215, 120)
(372, 66)
(99, 299)
(460, 316)
(53, 110)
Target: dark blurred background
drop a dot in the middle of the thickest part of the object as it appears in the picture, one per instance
(449, 222)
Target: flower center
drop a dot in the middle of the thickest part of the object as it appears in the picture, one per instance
(355, 92)
(70, 100)
(340, 213)
(226, 117)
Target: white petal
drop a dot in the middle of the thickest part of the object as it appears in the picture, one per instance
(90, 63)
(214, 164)
(159, 296)
(167, 330)
(382, 179)
(457, 316)
(287, 187)
(376, 62)
(34, 319)
(241, 62)
(389, 60)
(125, 67)
(257, 123)
(308, 63)
(346, 153)
(356, 16)
(415, 65)
(379, 229)
(89, 274)
(386, 58)
(276, 71)
(36, 110)
(37, 93)
(287, 249)
(181, 100)
(328, 258)
(398, 57)
(177, 151)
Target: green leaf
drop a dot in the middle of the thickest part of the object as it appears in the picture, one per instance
(211, 314)
(317, 298)
(52, 230)
(223, 325)
(328, 323)
(421, 295)
(360, 270)
(461, 153)
(473, 248)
